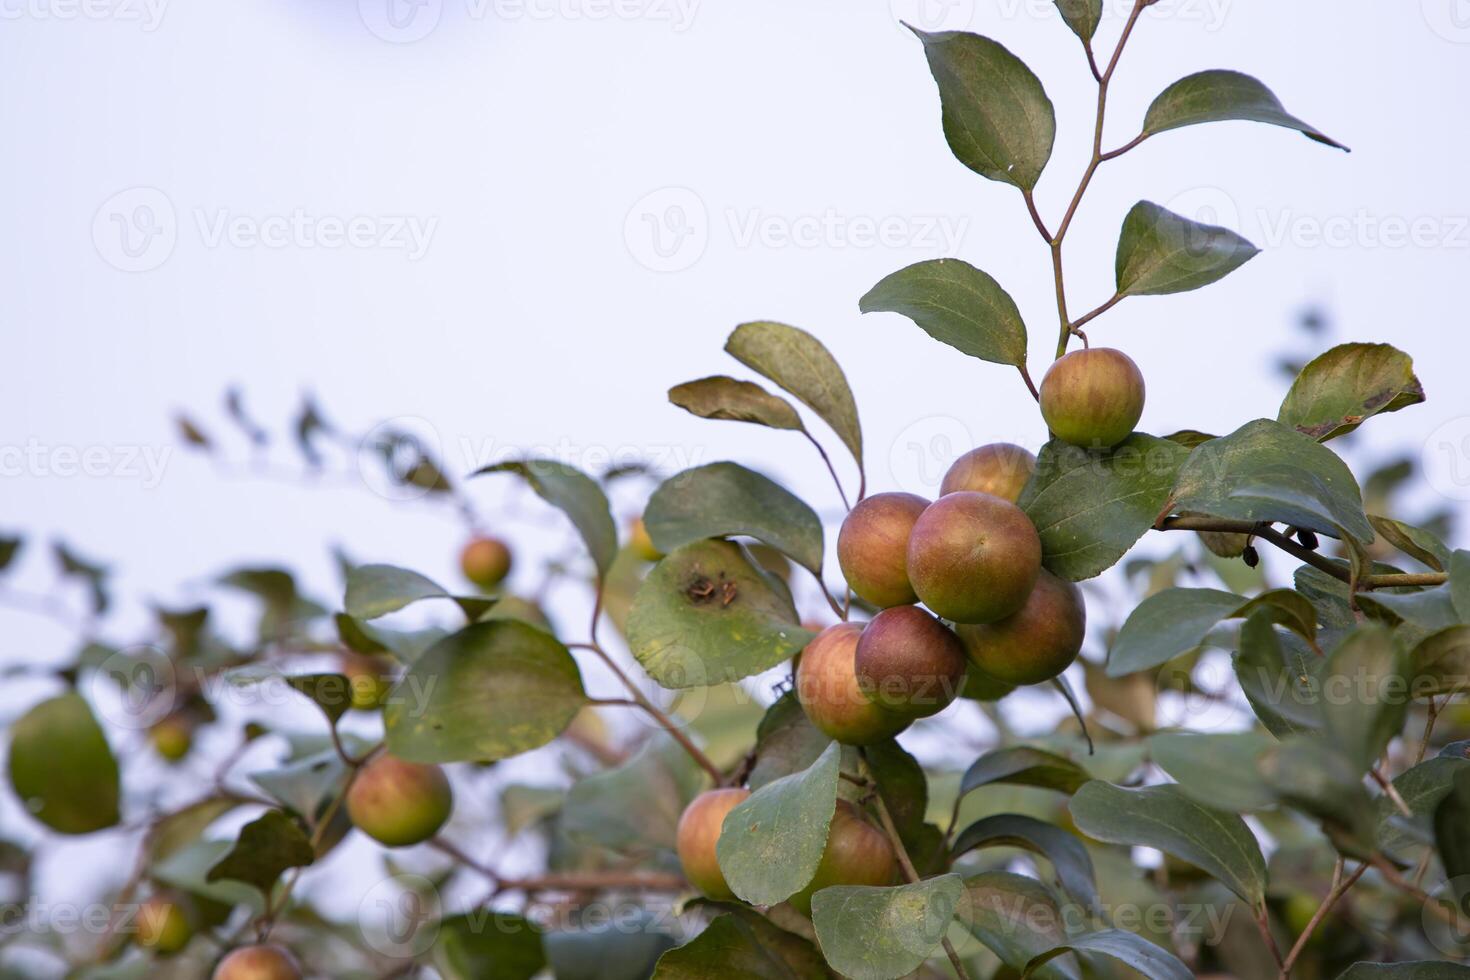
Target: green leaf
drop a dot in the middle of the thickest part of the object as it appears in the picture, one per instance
(1017, 919)
(1024, 766)
(10, 545)
(1366, 695)
(772, 843)
(265, 849)
(625, 946)
(1090, 509)
(577, 495)
(330, 692)
(1164, 817)
(1062, 849)
(1082, 16)
(706, 615)
(1160, 252)
(374, 591)
(956, 304)
(303, 784)
(1452, 834)
(187, 869)
(488, 945)
(872, 933)
(1422, 787)
(1222, 96)
(800, 365)
(1175, 621)
(62, 768)
(722, 397)
(1422, 970)
(786, 742)
(724, 499)
(1308, 773)
(1265, 471)
(490, 691)
(1215, 770)
(1150, 961)
(742, 944)
(904, 787)
(635, 807)
(997, 118)
(1459, 583)
(1416, 542)
(1338, 390)
(1282, 683)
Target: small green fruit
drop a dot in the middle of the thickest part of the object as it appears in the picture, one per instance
(258, 963)
(399, 803)
(1093, 398)
(1035, 644)
(872, 547)
(909, 662)
(172, 737)
(485, 562)
(369, 680)
(973, 557)
(999, 469)
(827, 687)
(857, 853)
(698, 834)
(163, 926)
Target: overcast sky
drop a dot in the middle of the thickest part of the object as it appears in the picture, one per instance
(520, 221)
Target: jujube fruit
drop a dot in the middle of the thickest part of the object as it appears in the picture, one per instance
(872, 547)
(1093, 398)
(172, 737)
(909, 662)
(857, 853)
(163, 926)
(1000, 469)
(827, 687)
(258, 963)
(973, 557)
(485, 561)
(399, 803)
(698, 834)
(1036, 643)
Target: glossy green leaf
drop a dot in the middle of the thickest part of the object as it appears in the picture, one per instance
(726, 499)
(956, 304)
(1341, 388)
(870, 933)
(997, 118)
(490, 691)
(1217, 770)
(1167, 624)
(266, 848)
(1024, 766)
(772, 843)
(722, 397)
(800, 365)
(1065, 852)
(634, 808)
(743, 945)
(1166, 818)
(1018, 919)
(706, 615)
(1082, 16)
(1222, 96)
(1366, 695)
(1265, 471)
(1090, 509)
(487, 945)
(62, 768)
(1160, 252)
(1150, 961)
(575, 494)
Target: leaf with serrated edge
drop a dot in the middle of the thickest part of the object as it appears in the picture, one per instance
(956, 304)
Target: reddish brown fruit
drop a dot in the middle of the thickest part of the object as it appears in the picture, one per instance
(258, 963)
(872, 547)
(485, 562)
(1000, 469)
(974, 557)
(399, 803)
(827, 687)
(909, 662)
(857, 853)
(699, 833)
(1035, 644)
(1093, 398)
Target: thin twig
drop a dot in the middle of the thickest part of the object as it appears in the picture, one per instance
(1390, 791)
(1264, 925)
(1336, 891)
(830, 468)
